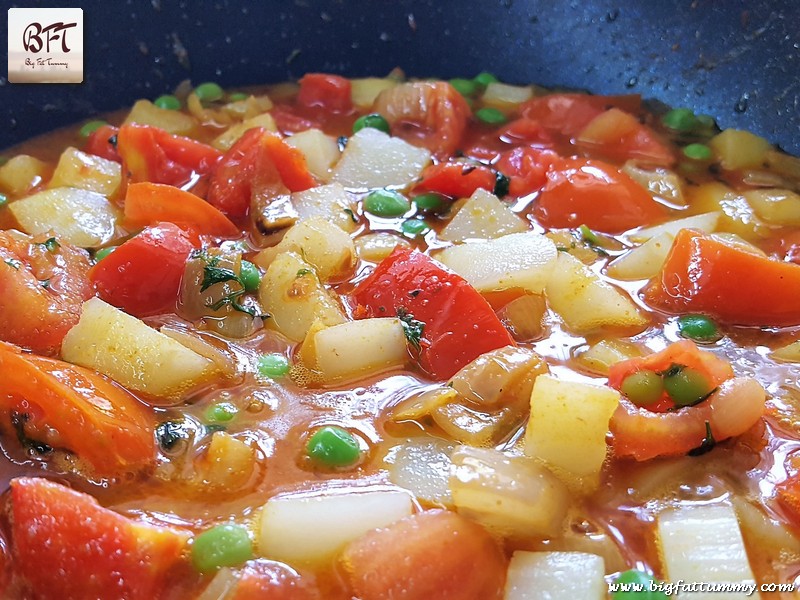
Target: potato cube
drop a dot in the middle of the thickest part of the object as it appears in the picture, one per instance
(321, 151)
(568, 427)
(145, 112)
(517, 260)
(642, 262)
(373, 159)
(555, 576)
(483, 216)
(330, 202)
(364, 91)
(231, 135)
(21, 174)
(78, 169)
(738, 149)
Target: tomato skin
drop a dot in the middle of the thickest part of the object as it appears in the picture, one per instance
(432, 554)
(596, 194)
(568, 114)
(98, 143)
(456, 179)
(150, 203)
(704, 275)
(619, 136)
(331, 92)
(68, 547)
(459, 324)
(526, 169)
(143, 276)
(101, 422)
(152, 154)
(263, 578)
(32, 315)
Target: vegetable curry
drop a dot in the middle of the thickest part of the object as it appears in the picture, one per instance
(387, 338)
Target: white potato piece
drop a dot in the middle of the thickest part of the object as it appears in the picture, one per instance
(231, 135)
(567, 429)
(374, 247)
(789, 353)
(737, 149)
(512, 496)
(483, 216)
(133, 354)
(422, 466)
(776, 206)
(518, 260)
(292, 294)
(21, 173)
(373, 159)
(145, 112)
(642, 262)
(321, 243)
(364, 91)
(86, 171)
(309, 529)
(555, 576)
(706, 222)
(658, 181)
(704, 543)
(584, 301)
(599, 357)
(80, 217)
(503, 95)
(321, 151)
(359, 348)
(330, 202)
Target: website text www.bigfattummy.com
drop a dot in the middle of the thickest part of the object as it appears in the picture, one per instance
(670, 588)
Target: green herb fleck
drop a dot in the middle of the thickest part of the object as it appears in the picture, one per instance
(351, 214)
(412, 328)
(213, 275)
(501, 184)
(304, 272)
(707, 444)
(13, 263)
(51, 244)
(45, 283)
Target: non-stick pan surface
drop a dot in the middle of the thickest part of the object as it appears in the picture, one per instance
(737, 60)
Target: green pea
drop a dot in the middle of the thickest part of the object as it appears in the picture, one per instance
(687, 386)
(415, 227)
(465, 87)
(250, 276)
(386, 203)
(333, 446)
(699, 328)
(272, 366)
(697, 152)
(89, 128)
(167, 102)
(635, 585)
(680, 119)
(104, 252)
(429, 202)
(490, 116)
(643, 388)
(483, 79)
(238, 96)
(373, 120)
(208, 92)
(3, 200)
(220, 412)
(226, 545)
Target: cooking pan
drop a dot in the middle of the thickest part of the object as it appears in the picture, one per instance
(737, 60)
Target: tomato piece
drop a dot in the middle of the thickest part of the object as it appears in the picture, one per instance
(152, 154)
(568, 114)
(704, 275)
(68, 547)
(432, 554)
(684, 353)
(459, 324)
(456, 179)
(41, 290)
(521, 132)
(143, 276)
(331, 92)
(288, 119)
(259, 164)
(99, 143)
(619, 136)
(787, 494)
(78, 409)
(263, 578)
(525, 167)
(596, 194)
(151, 203)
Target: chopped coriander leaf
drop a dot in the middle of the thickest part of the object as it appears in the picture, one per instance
(501, 185)
(351, 214)
(3, 200)
(304, 272)
(13, 263)
(213, 275)
(51, 244)
(412, 328)
(707, 444)
(103, 252)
